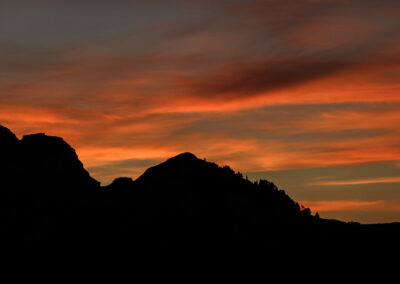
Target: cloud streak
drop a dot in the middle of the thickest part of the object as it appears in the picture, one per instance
(356, 182)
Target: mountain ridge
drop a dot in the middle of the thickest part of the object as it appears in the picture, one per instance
(184, 203)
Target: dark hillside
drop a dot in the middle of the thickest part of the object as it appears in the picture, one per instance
(185, 204)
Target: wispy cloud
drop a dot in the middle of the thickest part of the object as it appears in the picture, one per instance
(355, 182)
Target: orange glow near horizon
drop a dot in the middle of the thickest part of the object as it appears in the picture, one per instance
(351, 205)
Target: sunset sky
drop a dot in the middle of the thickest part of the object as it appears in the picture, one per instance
(305, 93)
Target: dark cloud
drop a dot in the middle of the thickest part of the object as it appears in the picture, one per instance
(239, 81)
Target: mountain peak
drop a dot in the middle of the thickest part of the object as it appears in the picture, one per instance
(184, 165)
(186, 156)
(7, 137)
(42, 147)
(42, 138)
(50, 158)
(184, 160)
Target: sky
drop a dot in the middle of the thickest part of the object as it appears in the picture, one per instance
(305, 93)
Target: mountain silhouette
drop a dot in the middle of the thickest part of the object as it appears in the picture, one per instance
(48, 200)
(41, 159)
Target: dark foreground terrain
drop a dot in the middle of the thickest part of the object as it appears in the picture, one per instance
(49, 202)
